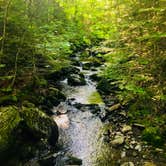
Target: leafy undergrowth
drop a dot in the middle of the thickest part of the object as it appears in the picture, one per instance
(140, 89)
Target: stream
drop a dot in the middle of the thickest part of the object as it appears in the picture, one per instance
(81, 131)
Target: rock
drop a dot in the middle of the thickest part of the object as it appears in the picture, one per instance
(123, 154)
(76, 63)
(134, 154)
(46, 99)
(71, 160)
(95, 77)
(9, 121)
(25, 131)
(118, 140)
(114, 107)
(128, 164)
(39, 125)
(61, 74)
(94, 108)
(126, 128)
(76, 80)
(52, 160)
(159, 150)
(52, 98)
(149, 164)
(139, 126)
(87, 66)
(61, 108)
(138, 148)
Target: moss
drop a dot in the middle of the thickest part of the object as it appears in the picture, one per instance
(95, 98)
(9, 121)
(37, 122)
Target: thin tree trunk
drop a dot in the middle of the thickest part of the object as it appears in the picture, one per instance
(4, 26)
(16, 59)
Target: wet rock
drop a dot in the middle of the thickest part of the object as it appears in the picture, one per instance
(78, 105)
(52, 160)
(118, 140)
(87, 66)
(94, 108)
(126, 128)
(76, 80)
(128, 164)
(76, 63)
(71, 160)
(61, 108)
(95, 77)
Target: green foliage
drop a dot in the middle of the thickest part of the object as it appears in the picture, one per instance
(153, 136)
(37, 37)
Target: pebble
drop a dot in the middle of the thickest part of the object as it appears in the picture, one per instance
(134, 154)
(123, 154)
(138, 148)
(118, 140)
(159, 150)
(126, 128)
(128, 164)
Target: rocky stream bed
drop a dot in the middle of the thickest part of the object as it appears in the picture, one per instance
(94, 129)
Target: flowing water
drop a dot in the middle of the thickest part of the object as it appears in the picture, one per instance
(81, 132)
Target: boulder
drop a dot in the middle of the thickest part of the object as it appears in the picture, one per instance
(76, 80)
(24, 132)
(72, 160)
(61, 74)
(9, 121)
(39, 124)
(50, 98)
(95, 77)
(87, 66)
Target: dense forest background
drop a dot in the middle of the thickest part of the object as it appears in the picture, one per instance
(37, 38)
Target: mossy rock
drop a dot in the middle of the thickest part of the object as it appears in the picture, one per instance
(76, 80)
(20, 127)
(39, 124)
(9, 120)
